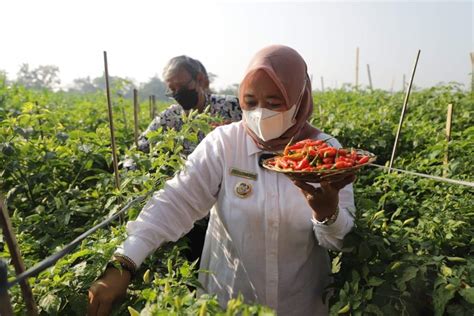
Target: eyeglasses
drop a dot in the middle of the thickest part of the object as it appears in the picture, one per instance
(169, 93)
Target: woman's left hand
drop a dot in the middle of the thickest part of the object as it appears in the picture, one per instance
(324, 199)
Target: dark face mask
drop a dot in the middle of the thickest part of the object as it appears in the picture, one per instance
(188, 99)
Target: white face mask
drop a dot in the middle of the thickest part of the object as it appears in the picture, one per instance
(268, 124)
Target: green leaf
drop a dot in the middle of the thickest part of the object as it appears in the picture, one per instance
(441, 297)
(408, 274)
(374, 281)
(374, 309)
(468, 294)
(50, 304)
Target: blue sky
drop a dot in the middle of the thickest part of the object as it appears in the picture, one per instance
(140, 36)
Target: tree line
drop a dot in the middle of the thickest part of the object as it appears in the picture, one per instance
(46, 77)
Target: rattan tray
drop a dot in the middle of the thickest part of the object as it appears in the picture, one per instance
(321, 175)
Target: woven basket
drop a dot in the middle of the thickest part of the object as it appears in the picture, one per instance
(331, 175)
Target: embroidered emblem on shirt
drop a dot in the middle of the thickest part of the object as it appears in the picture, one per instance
(243, 189)
(243, 174)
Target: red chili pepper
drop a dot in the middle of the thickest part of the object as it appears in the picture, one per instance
(363, 160)
(283, 163)
(313, 152)
(342, 165)
(330, 152)
(296, 146)
(342, 152)
(302, 164)
(321, 152)
(324, 166)
(316, 143)
(328, 160)
(354, 155)
(345, 159)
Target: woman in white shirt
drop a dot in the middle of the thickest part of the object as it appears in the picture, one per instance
(267, 234)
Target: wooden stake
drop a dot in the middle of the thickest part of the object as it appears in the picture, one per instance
(153, 101)
(6, 308)
(370, 77)
(357, 69)
(472, 72)
(16, 258)
(111, 124)
(150, 108)
(322, 84)
(135, 115)
(449, 118)
(402, 115)
(391, 87)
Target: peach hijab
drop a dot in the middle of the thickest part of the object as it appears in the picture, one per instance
(288, 71)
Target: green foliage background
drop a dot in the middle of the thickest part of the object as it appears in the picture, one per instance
(411, 252)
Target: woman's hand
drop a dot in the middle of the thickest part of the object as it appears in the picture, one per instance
(324, 200)
(107, 290)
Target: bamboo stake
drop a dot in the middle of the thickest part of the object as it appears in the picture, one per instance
(357, 69)
(135, 115)
(6, 308)
(150, 108)
(16, 258)
(449, 118)
(153, 101)
(402, 115)
(111, 123)
(472, 72)
(370, 77)
(391, 87)
(322, 84)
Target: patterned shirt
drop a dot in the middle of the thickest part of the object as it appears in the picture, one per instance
(225, 106)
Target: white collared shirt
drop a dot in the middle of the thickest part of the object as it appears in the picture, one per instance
(264, 244)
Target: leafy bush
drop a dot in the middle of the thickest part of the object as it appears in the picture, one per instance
(410, 253)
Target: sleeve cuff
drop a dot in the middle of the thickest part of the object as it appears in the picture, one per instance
(339, 228)
(136, 249)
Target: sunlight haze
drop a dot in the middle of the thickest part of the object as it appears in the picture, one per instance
(140, 36)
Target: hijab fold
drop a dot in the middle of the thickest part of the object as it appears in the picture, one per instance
(288, 71)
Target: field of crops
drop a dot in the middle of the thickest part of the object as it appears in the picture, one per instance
(411, 252)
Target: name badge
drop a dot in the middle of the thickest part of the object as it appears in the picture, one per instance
(243, 174)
